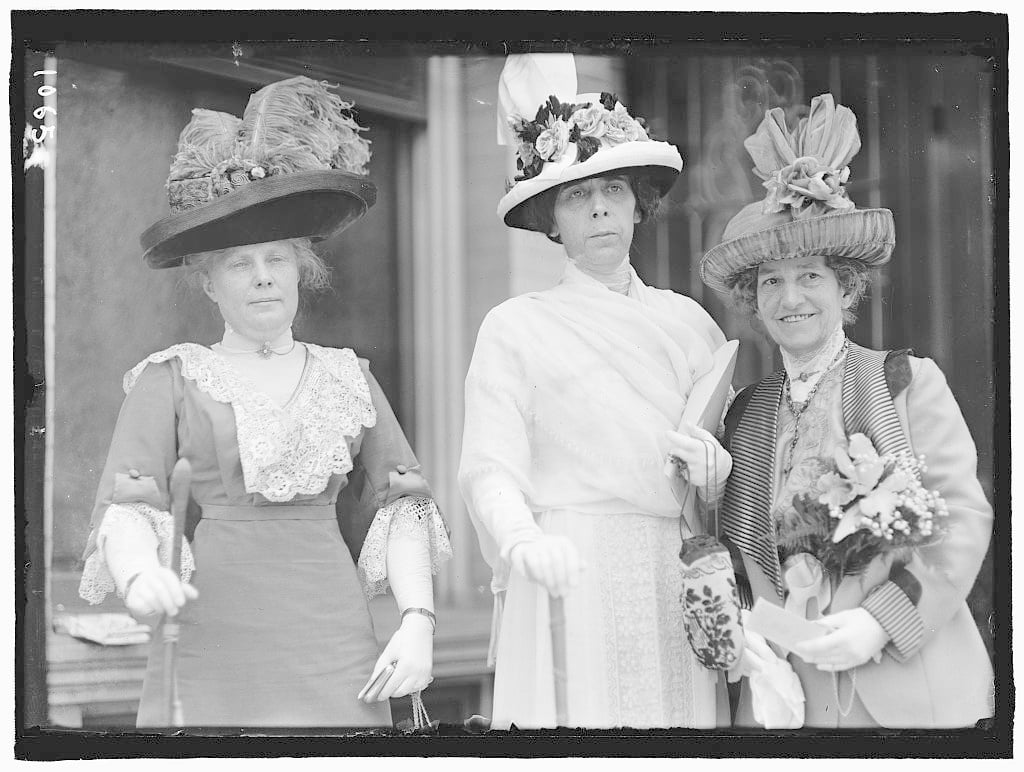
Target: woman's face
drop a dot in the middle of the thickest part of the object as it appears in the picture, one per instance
(595, 219)
(800, 302)
(256, 288)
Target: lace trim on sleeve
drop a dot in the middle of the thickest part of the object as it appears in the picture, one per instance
(409, 516)
(97, 581)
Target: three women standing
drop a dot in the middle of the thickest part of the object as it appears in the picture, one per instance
(304, 486)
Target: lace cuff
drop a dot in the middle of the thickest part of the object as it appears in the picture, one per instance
(97, 581)
(413, 516)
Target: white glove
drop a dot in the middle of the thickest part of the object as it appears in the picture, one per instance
(549, 560)
(708, 464)
(855, 638)
(411, 652)
(156, 591)
(776, 694)
(149, 589)
(411, 649)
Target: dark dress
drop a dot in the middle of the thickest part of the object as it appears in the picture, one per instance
(282, 498)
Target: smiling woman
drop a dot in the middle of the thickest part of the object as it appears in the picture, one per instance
(898, 646)
(852, 275)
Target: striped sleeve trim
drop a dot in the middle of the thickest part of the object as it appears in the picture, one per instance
(888, 604)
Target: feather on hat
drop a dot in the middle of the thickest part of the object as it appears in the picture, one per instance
(294, 165)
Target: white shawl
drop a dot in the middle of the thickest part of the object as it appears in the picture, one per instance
(568, 398)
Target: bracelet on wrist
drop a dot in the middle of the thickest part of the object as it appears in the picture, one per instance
(424, 612)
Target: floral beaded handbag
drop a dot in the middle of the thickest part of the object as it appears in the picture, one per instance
(711, 604)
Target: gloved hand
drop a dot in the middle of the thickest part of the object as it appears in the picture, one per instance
(708, 464)
(755, 652)
(155, 591)
(776, 696)
(745, 666)
(855, 637)
(411, 652)
(551, 561)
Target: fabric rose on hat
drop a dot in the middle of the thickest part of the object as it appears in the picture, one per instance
(552, 141)
(808, 187)
(526, 153)
(806, 169)
(590, 121)
(622, 127)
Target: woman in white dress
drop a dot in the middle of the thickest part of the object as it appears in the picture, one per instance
(572, 397)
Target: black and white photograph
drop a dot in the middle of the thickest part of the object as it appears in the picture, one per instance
(508, 383)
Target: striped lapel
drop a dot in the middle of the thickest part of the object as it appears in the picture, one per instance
(867, 404)
(746, 506)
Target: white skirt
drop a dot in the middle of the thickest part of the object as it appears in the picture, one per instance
(628, 661)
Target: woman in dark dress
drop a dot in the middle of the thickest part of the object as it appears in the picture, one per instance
(305, 497)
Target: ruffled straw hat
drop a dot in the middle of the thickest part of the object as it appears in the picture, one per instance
(807, 210)
(570, 136)
(294, 165)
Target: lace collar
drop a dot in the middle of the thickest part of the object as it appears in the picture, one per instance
(805, 372)
(292, 449)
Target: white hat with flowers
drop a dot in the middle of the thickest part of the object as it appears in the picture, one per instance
(807, 210)
(561, 136)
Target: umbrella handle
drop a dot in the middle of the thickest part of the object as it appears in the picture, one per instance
(180, 482)
(556, 607)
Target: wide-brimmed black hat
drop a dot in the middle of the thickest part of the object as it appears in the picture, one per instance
(293, 166)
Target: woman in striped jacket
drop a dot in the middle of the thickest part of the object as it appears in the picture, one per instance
(901, 648)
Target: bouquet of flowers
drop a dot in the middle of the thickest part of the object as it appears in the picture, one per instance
(557, 125)
(864, 505)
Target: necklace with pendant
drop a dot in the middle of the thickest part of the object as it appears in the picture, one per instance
(263, 352)
(806, 376)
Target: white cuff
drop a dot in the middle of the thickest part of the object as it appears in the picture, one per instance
(127, 520)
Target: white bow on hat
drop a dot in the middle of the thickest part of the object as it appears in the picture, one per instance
(526, 81)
